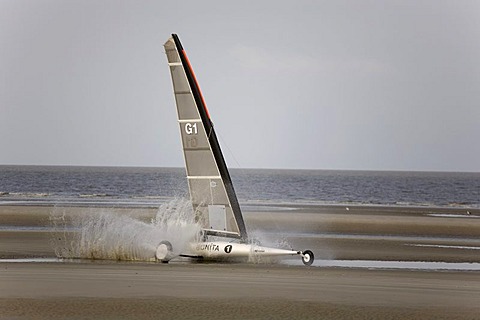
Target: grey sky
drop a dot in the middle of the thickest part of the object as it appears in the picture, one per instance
(381, 85)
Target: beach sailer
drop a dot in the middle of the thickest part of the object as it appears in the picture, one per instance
(215, 204)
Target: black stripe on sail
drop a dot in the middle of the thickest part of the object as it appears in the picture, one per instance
(177, 42)
(212, 137)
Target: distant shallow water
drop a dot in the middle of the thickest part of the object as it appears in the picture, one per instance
(355, 264)
(31, 260)
(405, 265)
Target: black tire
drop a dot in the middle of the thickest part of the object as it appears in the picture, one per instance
(167, 256)
(308, 257)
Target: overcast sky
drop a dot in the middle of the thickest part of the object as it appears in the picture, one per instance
(376, 85)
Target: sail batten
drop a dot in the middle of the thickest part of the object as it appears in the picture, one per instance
(189, 120)
(204, 177)
(211, 189)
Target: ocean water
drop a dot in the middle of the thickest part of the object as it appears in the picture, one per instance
(154, 186)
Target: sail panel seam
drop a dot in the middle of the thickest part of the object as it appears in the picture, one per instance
(196, 149)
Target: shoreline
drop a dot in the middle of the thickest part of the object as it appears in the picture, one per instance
(297, 205)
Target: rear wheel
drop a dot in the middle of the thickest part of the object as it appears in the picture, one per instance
(164, 251)
(307, 257)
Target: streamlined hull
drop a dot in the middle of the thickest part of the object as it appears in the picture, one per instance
(228, 251)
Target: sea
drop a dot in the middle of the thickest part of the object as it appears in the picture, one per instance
(151, 187)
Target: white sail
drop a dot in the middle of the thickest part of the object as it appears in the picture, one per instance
(211, 191)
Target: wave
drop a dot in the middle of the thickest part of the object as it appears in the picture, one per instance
(24, 194)
(95, 195)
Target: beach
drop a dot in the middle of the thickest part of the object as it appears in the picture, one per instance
(332, 232)
(85, 288)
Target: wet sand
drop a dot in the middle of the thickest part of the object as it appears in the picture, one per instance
(331, 232)
(212, 291)
(122, 290)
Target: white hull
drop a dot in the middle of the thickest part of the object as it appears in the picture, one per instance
(224, 251)
(227, 250)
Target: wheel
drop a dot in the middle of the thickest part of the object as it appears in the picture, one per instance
(164, 251)
(307, 257)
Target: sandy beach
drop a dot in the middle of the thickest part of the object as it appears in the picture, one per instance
(187, 291)
(105, 289)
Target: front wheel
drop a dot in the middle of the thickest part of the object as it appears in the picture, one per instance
(307, 257)
(164, 251)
